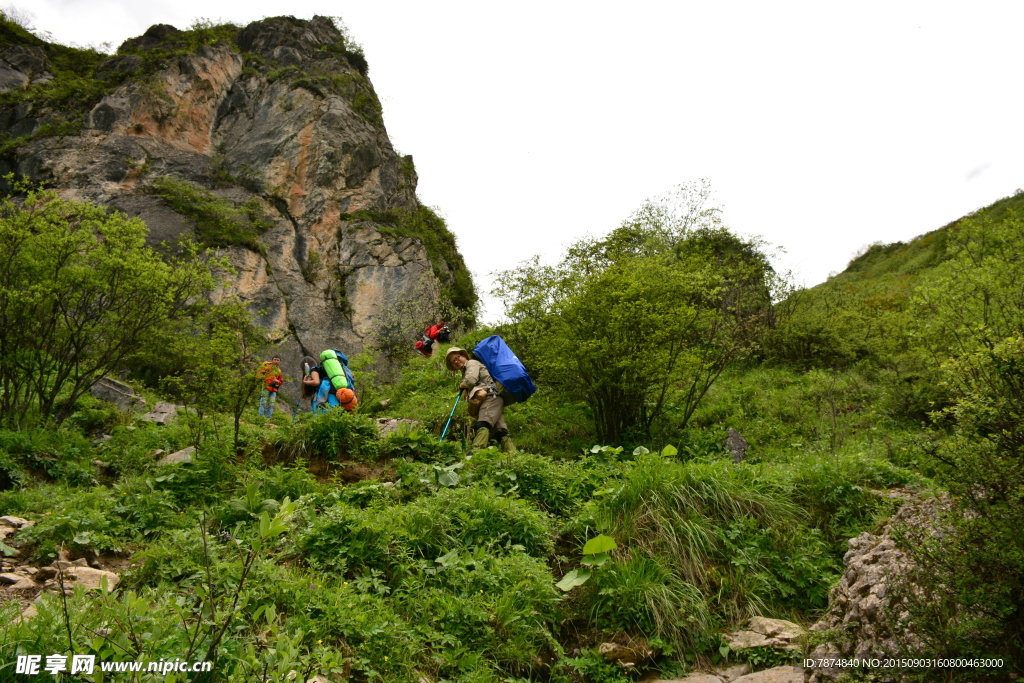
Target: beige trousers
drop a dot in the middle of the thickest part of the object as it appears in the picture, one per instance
(492, 410)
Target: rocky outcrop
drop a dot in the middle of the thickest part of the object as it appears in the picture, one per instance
(864, 618)
(22, 65)
(779, 674)
(26, 584)
(627, 655)
(280, 119)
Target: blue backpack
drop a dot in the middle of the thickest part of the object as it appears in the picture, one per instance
(505, 368)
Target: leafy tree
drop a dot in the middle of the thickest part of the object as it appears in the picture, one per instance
(644, 320)
(211, 363)
(80, 294)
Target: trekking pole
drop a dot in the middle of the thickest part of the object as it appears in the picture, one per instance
(457, 397)
(298, 401)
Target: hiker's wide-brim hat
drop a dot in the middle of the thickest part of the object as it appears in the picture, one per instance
(454, 351)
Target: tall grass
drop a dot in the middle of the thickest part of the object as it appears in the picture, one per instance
(698, 538)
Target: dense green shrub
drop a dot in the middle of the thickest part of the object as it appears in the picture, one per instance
(420, 445)
(557, 487)
(842, 494)
(347, 540)
(475, 516)
(972, 571)
(497, 608)
(639, 594)
(333, 435)
(63, 455)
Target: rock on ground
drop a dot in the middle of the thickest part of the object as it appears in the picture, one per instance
(731, 673)
(23, 584)
(694, 678)
(737, 445)
(16, 522)
(87, 577)
(387, 425)
(780, 674)
(162, 413)
(764, 632)
(184, 455)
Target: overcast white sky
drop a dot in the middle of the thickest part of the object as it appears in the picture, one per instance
(823, 126)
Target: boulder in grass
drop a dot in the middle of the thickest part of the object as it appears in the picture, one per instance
(178, 457)
(763, 632)
(387, 425)
(118, 393)
(162, 413)
(737, 445)
(86, 577)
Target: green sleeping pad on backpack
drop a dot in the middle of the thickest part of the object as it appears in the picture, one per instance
(335, 365)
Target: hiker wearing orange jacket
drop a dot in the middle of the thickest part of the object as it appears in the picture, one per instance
(270, 374)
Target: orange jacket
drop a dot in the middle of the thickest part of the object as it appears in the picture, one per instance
(271, 375)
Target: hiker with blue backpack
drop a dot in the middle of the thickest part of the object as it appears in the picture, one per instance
(494, 379)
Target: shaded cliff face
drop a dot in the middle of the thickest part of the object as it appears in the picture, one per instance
(265, 142)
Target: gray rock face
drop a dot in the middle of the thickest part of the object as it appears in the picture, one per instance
(310, 150)
(11, 79)
(272, 36)
(151, 38)
(21, 65)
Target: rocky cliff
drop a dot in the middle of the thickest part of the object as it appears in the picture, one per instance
(264, 142)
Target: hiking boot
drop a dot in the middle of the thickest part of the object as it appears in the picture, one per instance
(482, 438)
(507, 445)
